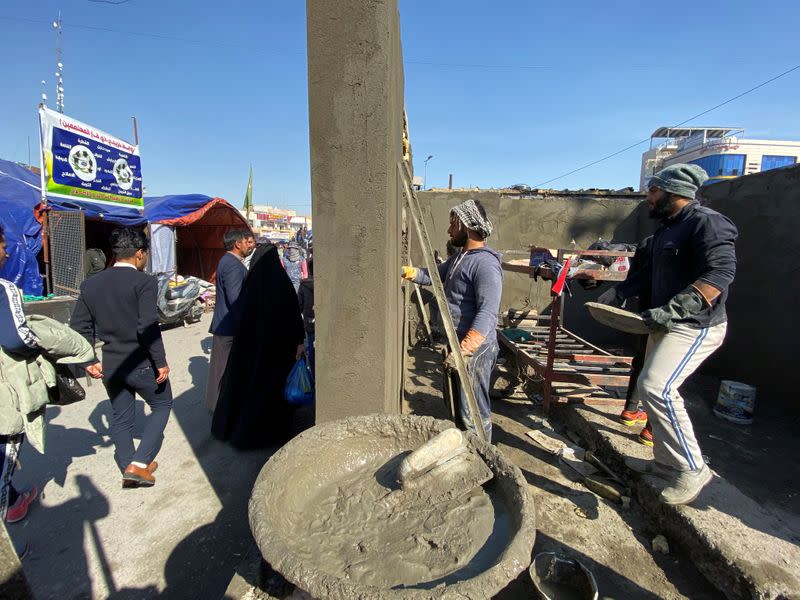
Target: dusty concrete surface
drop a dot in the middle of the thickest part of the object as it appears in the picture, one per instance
(318, 516)
(551, 221)
(740, 545)
(182, 538)
(762, 332)
(759, 459)
(355, 80)
(615, 544)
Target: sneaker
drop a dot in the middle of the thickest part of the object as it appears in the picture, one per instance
(19, 510)
(650, 467)
(646, 437)
(687, 486)
(632, 418)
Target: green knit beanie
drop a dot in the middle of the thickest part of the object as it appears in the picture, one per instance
(682, 180)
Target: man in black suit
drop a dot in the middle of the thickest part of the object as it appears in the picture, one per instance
(231, 274)
(118, 306)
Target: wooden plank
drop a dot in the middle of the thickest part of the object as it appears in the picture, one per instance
(609, 380)
(596, 358)
(589, 344)
(517, 266)
(604, 401)
(598, 253)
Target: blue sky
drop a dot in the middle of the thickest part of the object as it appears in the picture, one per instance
(500, 93)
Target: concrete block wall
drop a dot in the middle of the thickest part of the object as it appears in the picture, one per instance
(355, 78)
(763, 328)
(552, 220)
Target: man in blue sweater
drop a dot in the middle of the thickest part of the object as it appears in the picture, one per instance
(473, 284)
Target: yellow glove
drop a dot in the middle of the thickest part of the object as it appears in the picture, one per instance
(471, 342)
(409, 273)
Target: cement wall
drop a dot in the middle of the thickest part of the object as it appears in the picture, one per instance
(549, 219)
(763, 329)
(355, 80)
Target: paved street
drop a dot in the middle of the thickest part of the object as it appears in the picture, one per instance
(182, 538)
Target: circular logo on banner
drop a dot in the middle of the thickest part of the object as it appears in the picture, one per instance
(83, 163)
(123, 174)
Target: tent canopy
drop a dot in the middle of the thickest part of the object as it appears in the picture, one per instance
(19, 196)
(120, 215)
(185, 209)
(199, 223)
(202, 221)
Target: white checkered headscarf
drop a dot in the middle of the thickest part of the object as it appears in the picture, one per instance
(468, 213)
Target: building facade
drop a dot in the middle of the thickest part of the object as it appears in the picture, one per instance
(723, 152)
(276, 223)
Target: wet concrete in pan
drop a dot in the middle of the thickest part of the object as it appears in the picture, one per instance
(351, 531)
(322, 517)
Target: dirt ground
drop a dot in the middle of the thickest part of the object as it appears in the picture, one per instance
(183, 538)
(615, 544)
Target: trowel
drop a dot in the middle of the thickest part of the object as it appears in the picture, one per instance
(444, 468)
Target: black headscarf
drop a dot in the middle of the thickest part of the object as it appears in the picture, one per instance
(251, 411)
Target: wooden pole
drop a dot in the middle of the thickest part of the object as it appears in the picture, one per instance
(438, 292)
(135, 131)
(45, 218)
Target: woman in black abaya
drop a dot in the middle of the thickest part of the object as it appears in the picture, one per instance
(251, 411)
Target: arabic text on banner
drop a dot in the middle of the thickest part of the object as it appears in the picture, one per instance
(85, 163)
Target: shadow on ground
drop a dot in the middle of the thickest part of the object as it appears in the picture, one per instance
(615, 544)
(204, 562)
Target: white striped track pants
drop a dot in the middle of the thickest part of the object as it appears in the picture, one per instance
(670, 359)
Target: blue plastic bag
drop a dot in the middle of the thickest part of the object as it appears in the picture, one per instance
(299, 388)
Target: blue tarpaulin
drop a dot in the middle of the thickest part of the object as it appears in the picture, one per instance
(19, 195)
(121, 215)
(174, 208)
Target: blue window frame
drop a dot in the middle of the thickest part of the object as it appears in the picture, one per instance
(771, 161)
(722, 165)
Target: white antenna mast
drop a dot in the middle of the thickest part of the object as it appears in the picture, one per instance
(59, 66)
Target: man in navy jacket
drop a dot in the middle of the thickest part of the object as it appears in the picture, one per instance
(692, 264)
(231, 274)
(118, 306)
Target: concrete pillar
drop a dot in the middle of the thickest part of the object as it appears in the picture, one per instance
(355, 81)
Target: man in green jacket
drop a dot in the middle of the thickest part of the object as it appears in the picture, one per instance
(25, 377)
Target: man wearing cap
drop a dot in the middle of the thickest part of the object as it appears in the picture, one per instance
(473, 283)
(692, 264)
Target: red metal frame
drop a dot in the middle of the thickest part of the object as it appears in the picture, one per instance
(566, 358)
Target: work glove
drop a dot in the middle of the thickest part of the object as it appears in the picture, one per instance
(469, 345)
(611, 297)
(681, 306)
(471, 342)
(408, 273)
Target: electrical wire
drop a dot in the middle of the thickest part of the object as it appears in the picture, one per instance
(227, 44)
(700, 114)
(207, 42)
(159, 36)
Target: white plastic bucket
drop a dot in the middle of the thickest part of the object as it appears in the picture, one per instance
(736, 402)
